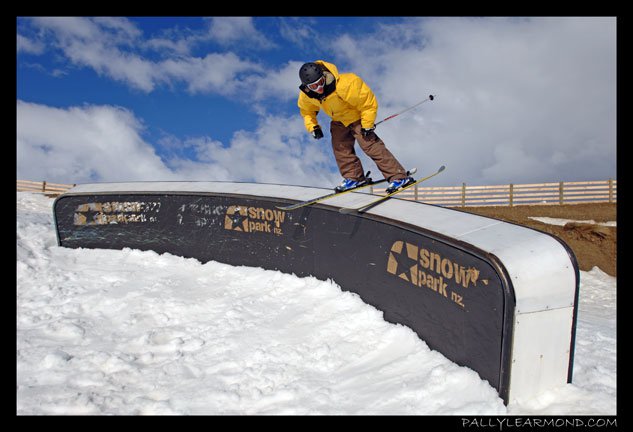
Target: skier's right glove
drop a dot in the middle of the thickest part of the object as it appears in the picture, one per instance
(317, 133)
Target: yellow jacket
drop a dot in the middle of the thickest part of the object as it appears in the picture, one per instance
(350, 101)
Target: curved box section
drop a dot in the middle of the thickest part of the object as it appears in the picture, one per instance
(495, 297)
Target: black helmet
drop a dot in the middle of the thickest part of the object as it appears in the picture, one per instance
(310, 72)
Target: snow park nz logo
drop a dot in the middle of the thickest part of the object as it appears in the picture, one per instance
(421, 267)
(116, 212)
(254, 219)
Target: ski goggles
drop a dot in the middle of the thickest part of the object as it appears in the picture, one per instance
(318, 83)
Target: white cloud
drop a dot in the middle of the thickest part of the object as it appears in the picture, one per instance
(69, 27)
(300, 31)
(83, 144)
(26, 45)
(280, 83)
(236, 32)
(104, 143)
(218, 73)
(178, 46)
(97, 43)
(518, 100)
(278, 151)
(231, 30)
(122, 27)
(111, 47)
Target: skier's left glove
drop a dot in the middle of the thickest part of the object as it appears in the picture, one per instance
(368, 134)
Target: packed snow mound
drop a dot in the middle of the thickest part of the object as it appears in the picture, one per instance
(132, 332)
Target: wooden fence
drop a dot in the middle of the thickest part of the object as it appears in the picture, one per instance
(458, 196)
(514, 194)
(50, 189)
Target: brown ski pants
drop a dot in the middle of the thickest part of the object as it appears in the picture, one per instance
(349, 165)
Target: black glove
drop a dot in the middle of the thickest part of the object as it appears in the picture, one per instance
(317, 133)
(368, 134)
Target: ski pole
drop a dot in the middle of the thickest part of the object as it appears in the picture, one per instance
(431, 97)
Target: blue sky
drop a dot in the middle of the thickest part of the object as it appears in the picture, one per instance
(126, 99)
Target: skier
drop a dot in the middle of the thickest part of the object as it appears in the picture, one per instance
(353, 107)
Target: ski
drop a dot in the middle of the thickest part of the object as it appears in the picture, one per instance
(364, 208)
(335, 194)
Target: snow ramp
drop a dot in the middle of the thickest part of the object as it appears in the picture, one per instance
(495, 297)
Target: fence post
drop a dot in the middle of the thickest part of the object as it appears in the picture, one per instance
(511, 194)
(560, 193)
(371, 190)
(415, 192)
(44, 186)
(610, 191)
(463, 194)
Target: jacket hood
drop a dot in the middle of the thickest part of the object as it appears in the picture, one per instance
(331, 67)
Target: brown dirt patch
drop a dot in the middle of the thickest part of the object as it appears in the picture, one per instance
(594, 245)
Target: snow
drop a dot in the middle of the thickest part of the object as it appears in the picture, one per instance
(132, 332)
(562, 222)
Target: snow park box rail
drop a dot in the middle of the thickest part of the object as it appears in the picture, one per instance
(495, 297)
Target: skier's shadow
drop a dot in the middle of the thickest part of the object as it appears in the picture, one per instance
(314, 220)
